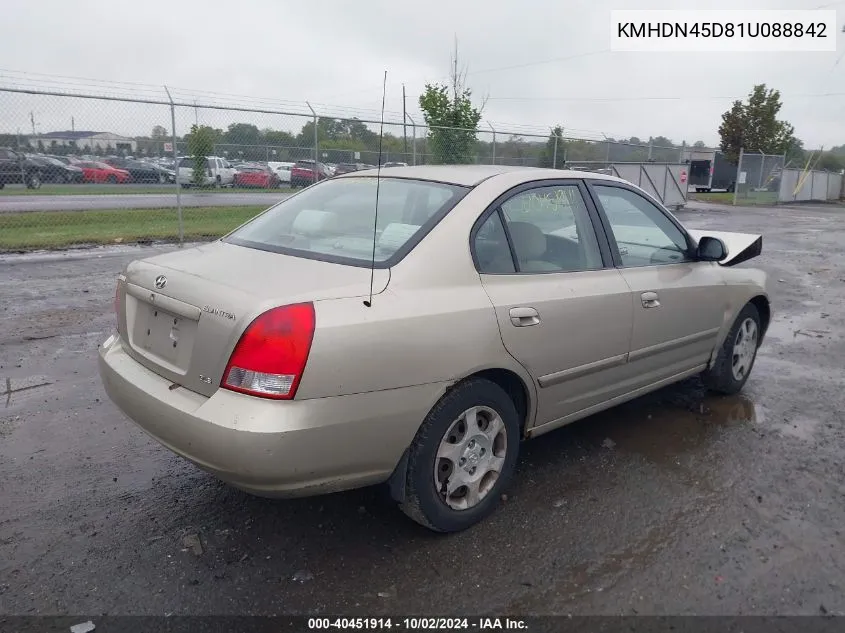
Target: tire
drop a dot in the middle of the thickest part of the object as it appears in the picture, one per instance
(217, 183)
(112, 180)
(739, 349)
(162, 179)
(428, 504)
(2, 185)
(33, 181)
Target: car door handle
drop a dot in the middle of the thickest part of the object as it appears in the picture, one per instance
(650, 299)
(522, 317)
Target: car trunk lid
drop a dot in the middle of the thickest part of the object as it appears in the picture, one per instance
(183, 312)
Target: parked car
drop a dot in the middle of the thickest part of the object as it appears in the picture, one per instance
(53, 170)
(282, 171)
(67, 160)
(347, 168)
(501, 303)
(302, 173)
(394, 164)
(16, 168)
(218, 172)
(141, 171)
(97, 172)
(256, 176)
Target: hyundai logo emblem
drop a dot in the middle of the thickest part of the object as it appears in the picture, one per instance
(161, 282)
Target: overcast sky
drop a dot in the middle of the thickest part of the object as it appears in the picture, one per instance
(540, 62)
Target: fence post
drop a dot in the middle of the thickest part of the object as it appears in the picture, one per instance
(176, 169)
(494, 141)
(762, 166)
(738, 172)
(414, 141)
(683, 149)
(554, 154)
(650, 147)
(316, 144)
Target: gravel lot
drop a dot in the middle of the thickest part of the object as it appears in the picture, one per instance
(677, 503)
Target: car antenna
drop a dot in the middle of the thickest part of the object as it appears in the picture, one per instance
(369, 302)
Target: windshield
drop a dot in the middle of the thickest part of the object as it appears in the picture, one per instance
(334, 220)
(186, 163)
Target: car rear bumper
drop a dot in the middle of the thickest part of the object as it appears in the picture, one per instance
(270, 447)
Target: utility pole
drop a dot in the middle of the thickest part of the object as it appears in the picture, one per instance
(32, 119)
(455, 72)
(72, 125)
(404, 126)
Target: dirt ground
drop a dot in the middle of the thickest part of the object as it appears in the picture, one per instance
(676, 503)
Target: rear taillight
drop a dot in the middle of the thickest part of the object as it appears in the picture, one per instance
(270, 356)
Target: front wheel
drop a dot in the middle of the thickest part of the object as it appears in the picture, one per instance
(737, 355)
(112, 180)
(462, 457)
(34, 181)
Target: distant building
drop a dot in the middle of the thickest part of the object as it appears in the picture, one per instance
(84, 139)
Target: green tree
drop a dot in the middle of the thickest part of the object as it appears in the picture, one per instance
(452, 118)
(552, 154)
(242, 134)
(699, 145)
(754, 125)
(831, 162)
(795, 153)
(159, 132)
(201, 141)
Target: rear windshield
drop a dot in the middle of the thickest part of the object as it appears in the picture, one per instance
(187, 163)
(333, 220)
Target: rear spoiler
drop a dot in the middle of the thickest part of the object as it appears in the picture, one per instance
(740, 246)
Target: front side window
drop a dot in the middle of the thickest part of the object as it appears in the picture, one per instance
(644, 235)
(551, 231)
(334, 220)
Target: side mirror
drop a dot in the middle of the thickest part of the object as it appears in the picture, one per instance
(711, 249)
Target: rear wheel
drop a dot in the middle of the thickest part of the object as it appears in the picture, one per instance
(162, 179)
(33, 181)
(112, 179)
(737, 355)
(462, 457)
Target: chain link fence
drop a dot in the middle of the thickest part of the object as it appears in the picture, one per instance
(95, 168)
(758, 178)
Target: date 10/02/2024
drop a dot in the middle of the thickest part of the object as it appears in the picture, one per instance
(418, 624)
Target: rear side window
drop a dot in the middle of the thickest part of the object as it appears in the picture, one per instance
(334, 220)
(492, 253)
(551, 231)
